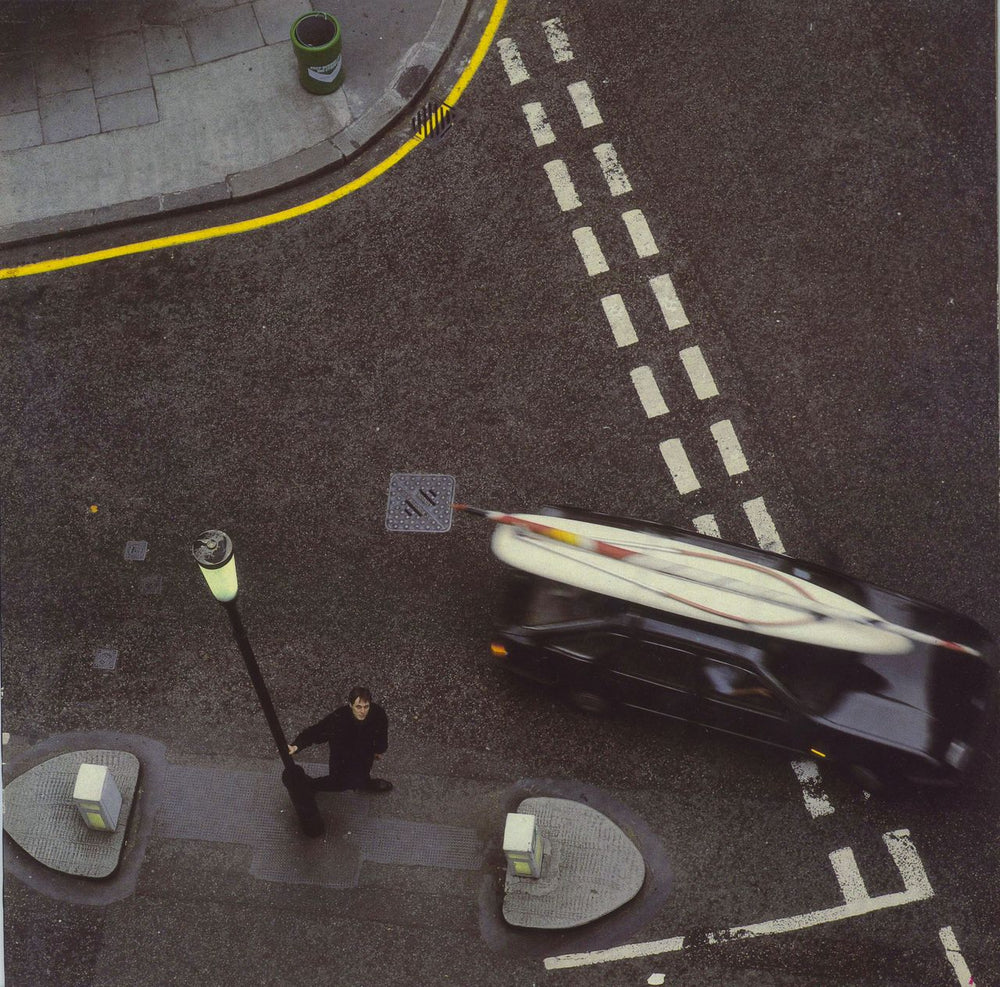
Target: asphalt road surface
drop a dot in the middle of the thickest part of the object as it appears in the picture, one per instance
(779, 327)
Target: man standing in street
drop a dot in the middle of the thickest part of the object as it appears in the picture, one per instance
(357, 733)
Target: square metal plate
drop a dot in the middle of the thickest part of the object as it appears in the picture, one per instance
(135, 551)
(106, 659)
(420, 502)
(151, 585)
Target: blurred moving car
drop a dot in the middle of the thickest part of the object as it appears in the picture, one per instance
(617, 612)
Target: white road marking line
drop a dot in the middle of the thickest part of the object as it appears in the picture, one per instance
(670, 304)
(763, 527)
(849, 878)
(917, 888)
(562, 185)
(638, 229)
(649, 392)
(583, 100)
(511, 58)
(698, 373)
(707, 525)
(618, 319)
(729, 447)
(955, 958)
(815, 798)
(614, 173)
(905, 856)
(590, 250)
(538, 123)
(679, 465)
(558, 40)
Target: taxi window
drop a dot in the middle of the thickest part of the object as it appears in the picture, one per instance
(557, 603)
(738, 686)
(658, 663)
(596, 646)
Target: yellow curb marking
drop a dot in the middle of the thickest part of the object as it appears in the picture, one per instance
(179, 239)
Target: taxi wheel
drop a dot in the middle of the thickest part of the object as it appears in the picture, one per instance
(589, 702)
(867, 779)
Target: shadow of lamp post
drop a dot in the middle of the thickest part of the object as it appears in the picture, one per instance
(213, 551)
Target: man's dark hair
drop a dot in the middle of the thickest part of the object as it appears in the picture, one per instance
(359, 692)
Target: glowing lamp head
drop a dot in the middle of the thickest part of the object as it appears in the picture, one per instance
(213, 551)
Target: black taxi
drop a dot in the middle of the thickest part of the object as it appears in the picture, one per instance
(620, 613)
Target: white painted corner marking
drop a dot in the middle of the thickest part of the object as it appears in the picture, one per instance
(857, 902)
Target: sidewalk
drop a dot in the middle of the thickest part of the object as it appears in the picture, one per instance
(116, 109)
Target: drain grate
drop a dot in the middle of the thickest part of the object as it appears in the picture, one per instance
(419, 502)
(433, 122)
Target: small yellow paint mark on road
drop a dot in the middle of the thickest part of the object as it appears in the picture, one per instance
(259, 222)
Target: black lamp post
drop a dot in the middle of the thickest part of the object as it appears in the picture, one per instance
(213, 551)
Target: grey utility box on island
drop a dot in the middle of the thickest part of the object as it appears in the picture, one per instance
(97, 797)
(522, 844)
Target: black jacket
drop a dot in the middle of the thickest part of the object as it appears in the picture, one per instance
(353, 742)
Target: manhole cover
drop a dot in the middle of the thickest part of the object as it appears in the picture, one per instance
(419, 502)
(135, 551)
(432, 122)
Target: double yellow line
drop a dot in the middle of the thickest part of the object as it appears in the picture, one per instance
(194, 236)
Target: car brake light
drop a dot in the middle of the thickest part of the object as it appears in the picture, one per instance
(498, 649)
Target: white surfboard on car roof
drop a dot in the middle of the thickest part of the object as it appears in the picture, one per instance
(700, 583)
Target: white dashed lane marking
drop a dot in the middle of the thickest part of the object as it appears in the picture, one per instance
(538, 124)
(815, 798)
(590, 250)
(583, 100)
(558, 40)
(955, 958)
(638, 230)
(562, 185)
(511, 59)
(698, 373)
(670, 304)
(614, 173)
(618, 319)
(679, 465)
(763, 527)
(729, 447)
(649, 392)
(707, 525)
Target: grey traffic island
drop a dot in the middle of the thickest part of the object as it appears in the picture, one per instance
(70, 812)
(568, 868)
(567, 865)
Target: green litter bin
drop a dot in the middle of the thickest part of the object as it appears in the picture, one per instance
(316, 40)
